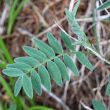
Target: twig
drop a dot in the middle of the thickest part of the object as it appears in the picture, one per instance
(55, 97)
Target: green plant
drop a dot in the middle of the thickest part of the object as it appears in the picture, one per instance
(14, 13)
(55, 66)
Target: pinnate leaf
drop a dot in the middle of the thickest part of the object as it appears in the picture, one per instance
(47, 50)
(13, 72)
(28, 60)
(54, 43)
(62, 68)
(36, 82)
(35, 53)
(83, 60)
(18, 85)
(108, 89)
(44, 76)
(21, 66)
(54, 72)
(67, 41)
(105, 5)
(68, 61)
(27, 86)
(98, 105)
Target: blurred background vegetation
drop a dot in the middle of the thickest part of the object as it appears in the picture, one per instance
(23, 20)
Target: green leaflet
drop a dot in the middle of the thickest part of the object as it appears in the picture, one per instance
(78, 43)
(27, 86)
(44, 76)
(13, 72)
(47, 50)
(21, 66)
(35, 53)
(54, 43)
(67, 41)
(69, 16)
(28, 60)
(68, 61)
(18, 85)
(108, 89)
(105, 5)
(75, 9)
(62, 68)
(36, 82)
(54, 72)
(98, 105)
(13, 107)
(83, 60)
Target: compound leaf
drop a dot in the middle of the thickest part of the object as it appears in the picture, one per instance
(62, 68)
(44, 76)
(67, 41)
(98, 105)
(54, 72)
(13, 72)
(83, 60)
(35, 53)
(105, 5)
(27, 86)
(54, 43)
(36, 82)
(28, 60)
(47, 50)
(108, 89)
(21, 66)
(68, 61)
(18, 85)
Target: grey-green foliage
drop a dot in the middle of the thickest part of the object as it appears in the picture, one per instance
(104, 5)
(98, 105)
(56, 68)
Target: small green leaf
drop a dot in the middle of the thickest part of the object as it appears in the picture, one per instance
(98, 105)
(35, 53)
(27, 86)
(21, 66)
(18, 85)
(105, 5)
(28, 60)
(44, 76)
(13, 107)
(47, 50)
(69, 16)
(108, 89)
(78, 43)
(75, 9)
(54, 72)
(36, 82)
(54, 43)
(83, 60)
(67, 41)
(13, 72)
(68, 61)
(62, 68)
(68, 13)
